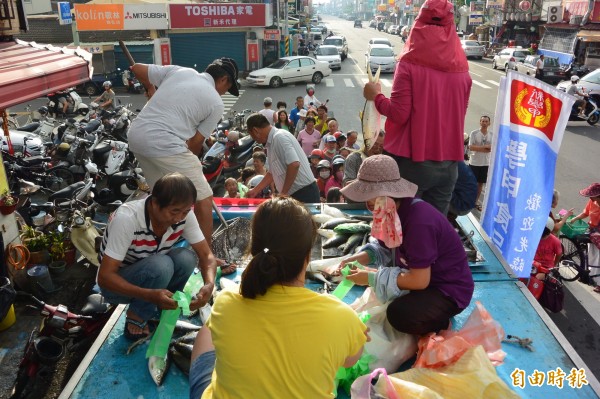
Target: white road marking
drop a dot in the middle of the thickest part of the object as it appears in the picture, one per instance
(386, 83)
(364, 80)
(329, 82)
(476, 74)
(348, 82)
(481, 85)
(493, 82)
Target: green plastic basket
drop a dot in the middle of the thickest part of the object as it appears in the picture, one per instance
(573, 229)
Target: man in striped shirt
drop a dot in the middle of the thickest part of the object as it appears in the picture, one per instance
(139, 265)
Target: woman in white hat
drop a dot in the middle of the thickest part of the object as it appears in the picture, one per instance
(429, 280)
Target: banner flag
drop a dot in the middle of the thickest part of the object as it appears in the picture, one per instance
(531, 117)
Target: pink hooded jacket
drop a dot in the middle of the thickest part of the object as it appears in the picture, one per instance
(427, 107)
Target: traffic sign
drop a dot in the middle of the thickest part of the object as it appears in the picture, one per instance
(64, 13)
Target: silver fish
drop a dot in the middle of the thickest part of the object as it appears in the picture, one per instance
(370, 118)
(158, 367)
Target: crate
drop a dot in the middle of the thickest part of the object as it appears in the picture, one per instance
(573, 229)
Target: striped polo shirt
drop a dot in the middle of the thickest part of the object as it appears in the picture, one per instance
(129, 236)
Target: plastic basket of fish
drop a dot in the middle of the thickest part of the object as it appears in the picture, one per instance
(574, 229)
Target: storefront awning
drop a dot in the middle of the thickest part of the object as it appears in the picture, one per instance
(31, 70)
(589, 35)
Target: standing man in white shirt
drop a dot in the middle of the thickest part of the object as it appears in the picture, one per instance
(539, 67)
(183, 110)
(480, 145)
(288, 165)
(267, 111)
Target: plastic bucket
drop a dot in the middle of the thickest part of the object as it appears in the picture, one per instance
(48, 350)
(40, 276)
(9, 319)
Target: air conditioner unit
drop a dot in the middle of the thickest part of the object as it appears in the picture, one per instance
(555, 14)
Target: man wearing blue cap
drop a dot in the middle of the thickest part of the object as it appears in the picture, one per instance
(183, 109)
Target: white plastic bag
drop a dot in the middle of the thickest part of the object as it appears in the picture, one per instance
(389, 346)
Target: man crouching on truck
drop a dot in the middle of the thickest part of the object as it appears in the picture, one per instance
(140, 264)
(184, 108)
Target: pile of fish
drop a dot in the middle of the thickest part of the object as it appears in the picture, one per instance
(341, 235)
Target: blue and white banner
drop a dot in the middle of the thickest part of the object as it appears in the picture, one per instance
(531, 117)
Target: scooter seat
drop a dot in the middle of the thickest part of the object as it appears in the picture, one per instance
(30, 127)
(92, 126)
(243, 145)
(102, 148)
(67, 192)
(210, 165)
(34, 160)
(96, 304)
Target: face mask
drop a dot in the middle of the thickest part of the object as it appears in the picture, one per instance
(339, 175)
(324, 174)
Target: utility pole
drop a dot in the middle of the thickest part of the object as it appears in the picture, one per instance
(286, 29)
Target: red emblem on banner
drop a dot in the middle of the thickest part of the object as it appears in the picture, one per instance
(533, 107)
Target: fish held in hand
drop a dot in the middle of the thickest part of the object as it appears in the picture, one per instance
(370, 118)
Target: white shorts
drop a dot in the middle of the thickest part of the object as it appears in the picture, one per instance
(185, 163)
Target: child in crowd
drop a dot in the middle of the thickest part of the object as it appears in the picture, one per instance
(314, 158)
(234, 189)
(247, 173)
(334, 196)
(337, 176)
(324, 172)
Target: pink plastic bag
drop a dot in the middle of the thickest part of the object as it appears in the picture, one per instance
(362, 388)
(445, 348)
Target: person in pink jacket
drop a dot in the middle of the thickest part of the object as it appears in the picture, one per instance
(427, 106)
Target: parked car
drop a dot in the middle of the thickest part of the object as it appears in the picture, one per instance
(508, 57)
(380, 55)
(472, 48)
(358, 23)
(553, 73)
(288, 70)
(380, 40)
(323, 28)
(330, 55)
(94, 86)
(340, 43)
(589, 82)
(393, 29)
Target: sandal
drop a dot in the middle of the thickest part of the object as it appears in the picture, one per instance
(478, 207)
(131, 336)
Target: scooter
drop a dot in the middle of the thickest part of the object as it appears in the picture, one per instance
(76, 105)
(591, 110)
(131, 82)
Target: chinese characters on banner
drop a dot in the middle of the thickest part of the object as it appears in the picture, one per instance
(531, 117)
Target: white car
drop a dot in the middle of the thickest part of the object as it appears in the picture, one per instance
(330, 55)
(508, 57)
(379, 41)
(288, 70)
(381, 55)
(472, 48)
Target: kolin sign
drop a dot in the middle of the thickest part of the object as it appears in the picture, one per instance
(121, 16)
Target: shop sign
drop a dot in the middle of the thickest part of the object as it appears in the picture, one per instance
(381, 7)
(145, 16)
(575, 7)
(475, 19)
(222, 15)
(497, 4)
(91, 17)
(64, 13)
(272, 34)
(99, 16)
(252, 49)
(477, 7)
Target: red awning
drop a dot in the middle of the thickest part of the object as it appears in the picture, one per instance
(31, 70)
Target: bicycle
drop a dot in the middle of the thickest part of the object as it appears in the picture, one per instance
(13, 118)
(575, 258)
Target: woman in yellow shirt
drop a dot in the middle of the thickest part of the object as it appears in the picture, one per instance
(276, 339)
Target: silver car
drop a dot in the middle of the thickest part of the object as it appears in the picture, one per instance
(590, 82)
(330, 55)
(380, 55)
(508, 57)
(473, 49)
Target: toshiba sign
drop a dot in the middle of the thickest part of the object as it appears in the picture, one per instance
(185, 16)
(121, 16)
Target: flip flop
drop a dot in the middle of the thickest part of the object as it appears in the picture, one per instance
(478, 207)
(131, 336)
